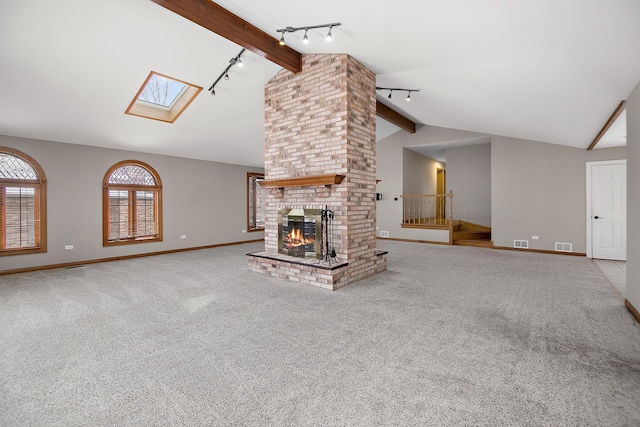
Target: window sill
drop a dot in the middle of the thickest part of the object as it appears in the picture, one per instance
(132, 241)
(22, 251)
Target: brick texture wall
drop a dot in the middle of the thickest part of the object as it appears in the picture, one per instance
(322, 121)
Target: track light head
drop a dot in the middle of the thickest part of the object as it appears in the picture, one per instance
(281, 42)
(226, 76)
(305, 39)
(329, 35)
(240, 63)
(213, 91)
(390, 92)
(409, 96)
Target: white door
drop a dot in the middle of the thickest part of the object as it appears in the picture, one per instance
(608, 213)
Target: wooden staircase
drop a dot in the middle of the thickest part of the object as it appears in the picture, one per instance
(435, 212)
(469, 234)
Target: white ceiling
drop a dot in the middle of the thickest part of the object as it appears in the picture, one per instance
(550, 71)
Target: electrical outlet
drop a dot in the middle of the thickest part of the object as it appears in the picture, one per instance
(534, 237)
(244, 231)
(183, 236)
(68, 247)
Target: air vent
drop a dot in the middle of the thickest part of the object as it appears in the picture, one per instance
(384, 234)
(564, 247)
(521, 244)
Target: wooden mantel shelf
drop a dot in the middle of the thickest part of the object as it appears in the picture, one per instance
(303, 181)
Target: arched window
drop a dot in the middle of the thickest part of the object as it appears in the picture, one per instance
(132, 204)
(23, 222)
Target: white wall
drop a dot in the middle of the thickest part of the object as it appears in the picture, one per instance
(469, 177)
(390, 170)
(419, 173)
(539, 189)
(633, 198)
(204, 200)
(536, 188)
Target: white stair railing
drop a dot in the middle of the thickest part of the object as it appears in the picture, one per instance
(427, 209)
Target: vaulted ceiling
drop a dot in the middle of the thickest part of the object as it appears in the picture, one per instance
(550, 71)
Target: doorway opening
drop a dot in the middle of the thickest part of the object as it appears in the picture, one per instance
(441, 188)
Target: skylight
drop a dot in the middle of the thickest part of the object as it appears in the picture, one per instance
(162, 91)
(162, 98)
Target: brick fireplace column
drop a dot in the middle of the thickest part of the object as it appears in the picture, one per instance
(323, 121)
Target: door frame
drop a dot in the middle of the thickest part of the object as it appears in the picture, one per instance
(441, 181)
(589, 190)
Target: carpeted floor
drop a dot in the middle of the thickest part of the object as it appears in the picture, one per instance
(447, 336)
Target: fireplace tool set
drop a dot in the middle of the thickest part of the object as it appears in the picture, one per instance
(328, 251)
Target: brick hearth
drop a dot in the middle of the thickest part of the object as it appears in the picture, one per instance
(322, 121)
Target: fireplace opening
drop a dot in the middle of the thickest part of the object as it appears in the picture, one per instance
(300, 232)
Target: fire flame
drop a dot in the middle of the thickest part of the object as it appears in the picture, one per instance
(295, 239)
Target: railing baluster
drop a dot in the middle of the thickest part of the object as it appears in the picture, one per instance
(427, 209)
(432, 211)
(413, 218)
(411, 210)
(405, 211)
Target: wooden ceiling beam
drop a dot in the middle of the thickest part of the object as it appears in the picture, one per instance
(392, 116)
(224, 23)
(619, 109)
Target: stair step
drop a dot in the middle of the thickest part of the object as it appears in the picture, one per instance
(471, 235)
(469, 226)
(432, 224)
(475, 243)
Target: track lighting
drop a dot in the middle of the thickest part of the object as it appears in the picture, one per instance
(225, 74)
(391, 89)
(306, 29)
(329, 35)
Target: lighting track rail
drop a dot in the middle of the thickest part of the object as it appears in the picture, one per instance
(305, 39)
(225, 74)
(391, 89)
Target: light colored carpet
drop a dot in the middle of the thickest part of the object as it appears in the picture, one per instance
(447, 336)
